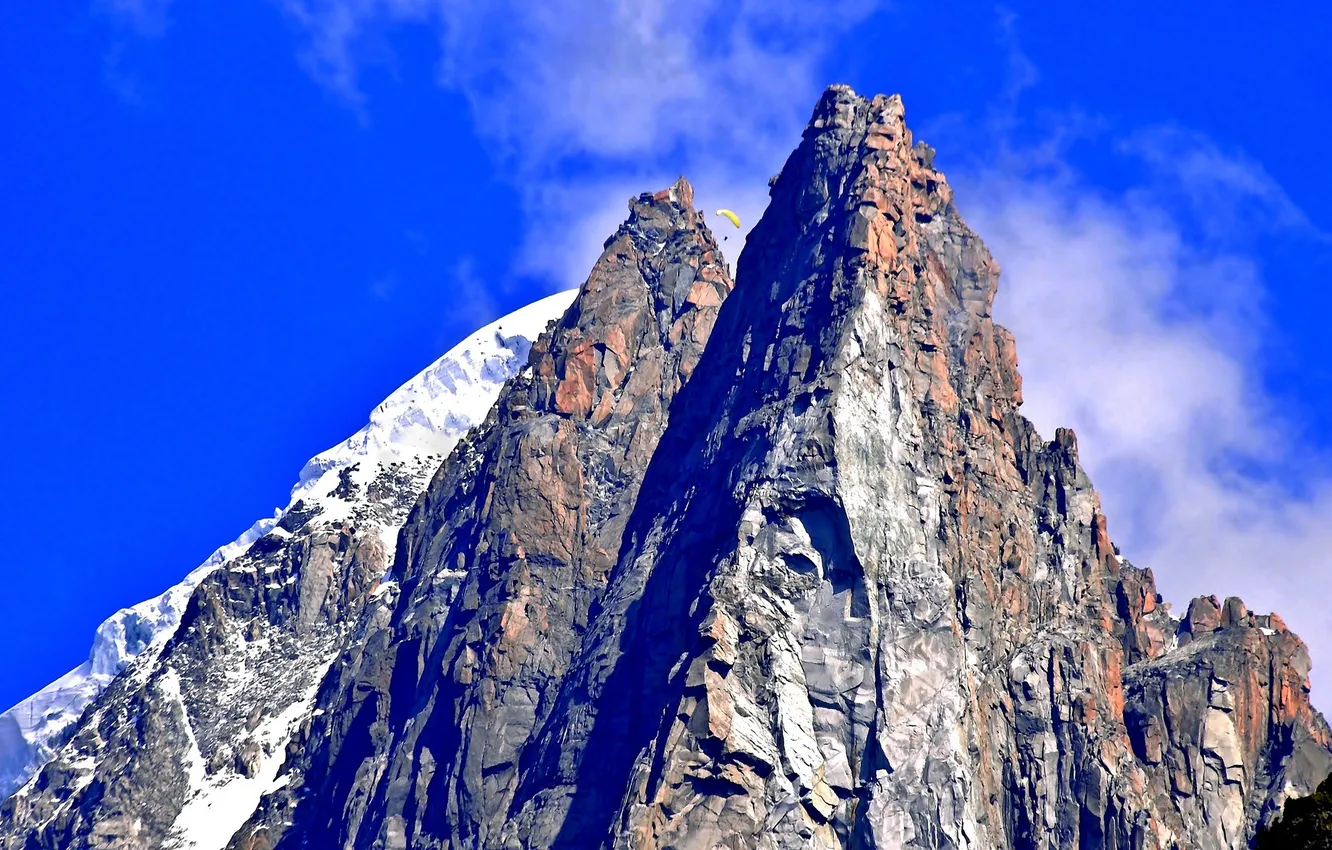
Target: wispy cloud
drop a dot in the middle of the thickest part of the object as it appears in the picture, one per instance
(129, 24)
(471, 301)
(586, 102)
(606, 78)
(383, 287)
(121, 81)
(146, 18)
(1139, 319)
(1212, 180)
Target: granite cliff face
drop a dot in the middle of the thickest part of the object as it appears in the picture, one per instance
(778, 567)
(502, 564)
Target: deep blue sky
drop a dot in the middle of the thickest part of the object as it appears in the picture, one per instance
(213, 268)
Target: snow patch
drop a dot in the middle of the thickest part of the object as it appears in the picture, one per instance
(169, 683)
(430, 413)
(219, 805)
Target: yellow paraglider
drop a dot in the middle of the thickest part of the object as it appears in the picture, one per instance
(735, 219)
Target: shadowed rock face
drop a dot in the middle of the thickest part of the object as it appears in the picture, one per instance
(787, 571)
(504, 562)
(252, 645)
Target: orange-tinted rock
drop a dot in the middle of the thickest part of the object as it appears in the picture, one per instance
(534, 505)
(817, 585)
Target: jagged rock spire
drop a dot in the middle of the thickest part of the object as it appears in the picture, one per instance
(784, 568)
(503, 565)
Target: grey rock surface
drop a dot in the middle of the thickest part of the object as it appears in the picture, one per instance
(254, 643)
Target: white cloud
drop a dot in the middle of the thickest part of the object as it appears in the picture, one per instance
(128, 23)
(588, 102)
(1211, 179)
(122, 82)
(1197, 471)
(607, 78)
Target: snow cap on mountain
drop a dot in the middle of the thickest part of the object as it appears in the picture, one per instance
(419, 422)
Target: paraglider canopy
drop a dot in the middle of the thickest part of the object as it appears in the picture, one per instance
(735, 219)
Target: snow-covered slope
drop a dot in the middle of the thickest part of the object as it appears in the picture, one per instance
(31, 730)
(410, 432)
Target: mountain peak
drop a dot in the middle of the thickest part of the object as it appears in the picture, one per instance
(680, 192)
(778, 565)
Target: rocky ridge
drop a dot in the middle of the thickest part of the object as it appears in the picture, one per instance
(772, 568)
(186, 737)
(865, 604)
(504, 562)
(33, 730)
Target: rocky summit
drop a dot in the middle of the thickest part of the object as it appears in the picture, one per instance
(771, 563)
